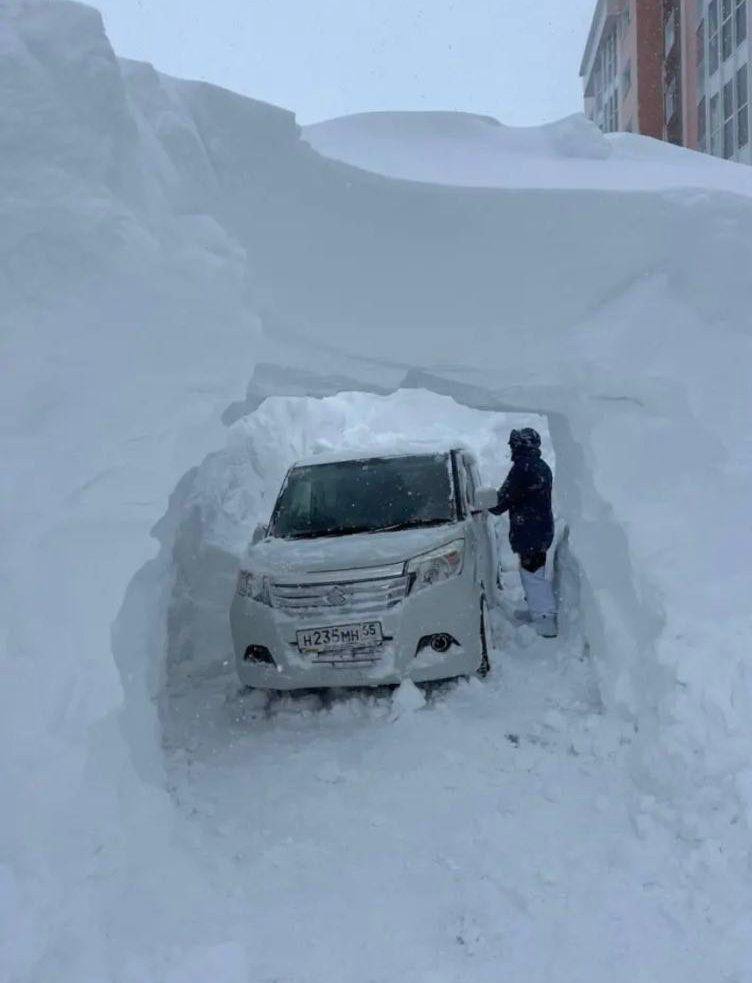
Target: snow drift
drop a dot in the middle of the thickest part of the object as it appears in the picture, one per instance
(478, 151)
(166, 247)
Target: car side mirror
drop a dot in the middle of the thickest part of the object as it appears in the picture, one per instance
(259, 533)
(485, 499)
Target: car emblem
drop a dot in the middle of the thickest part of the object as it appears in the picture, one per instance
(336, 597)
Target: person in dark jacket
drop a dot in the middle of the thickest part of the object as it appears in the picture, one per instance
(526, 495)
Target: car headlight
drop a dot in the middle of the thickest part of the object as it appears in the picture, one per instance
(255, 586)
(438, 565)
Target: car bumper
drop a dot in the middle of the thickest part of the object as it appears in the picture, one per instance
(451, 608)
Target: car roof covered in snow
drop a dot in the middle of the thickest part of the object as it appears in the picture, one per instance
(376, 453)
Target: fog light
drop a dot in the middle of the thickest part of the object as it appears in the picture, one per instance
(440, 643)
(258, 653)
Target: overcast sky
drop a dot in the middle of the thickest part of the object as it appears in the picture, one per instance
(517, 60)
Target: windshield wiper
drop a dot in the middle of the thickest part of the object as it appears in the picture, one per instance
(412, 524)
(334, 531)
(357, 530)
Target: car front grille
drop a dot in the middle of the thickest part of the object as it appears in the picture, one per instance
(356, 597)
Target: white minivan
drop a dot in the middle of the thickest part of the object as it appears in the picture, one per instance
(374, 568)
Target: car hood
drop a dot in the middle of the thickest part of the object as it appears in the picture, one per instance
(278, 557)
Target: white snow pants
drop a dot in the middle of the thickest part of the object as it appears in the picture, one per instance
(539, 593)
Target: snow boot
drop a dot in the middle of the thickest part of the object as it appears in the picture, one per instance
(541, 603)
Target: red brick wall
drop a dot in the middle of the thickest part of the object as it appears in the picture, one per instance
(690, 10)
(649, 26)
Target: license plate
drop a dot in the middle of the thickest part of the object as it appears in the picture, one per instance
(366, 634)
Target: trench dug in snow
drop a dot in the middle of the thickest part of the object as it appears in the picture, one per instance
(236, 487)
(426, 831)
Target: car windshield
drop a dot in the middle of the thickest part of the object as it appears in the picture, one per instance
(373, 495)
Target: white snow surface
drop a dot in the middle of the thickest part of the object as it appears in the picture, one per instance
(186, 284)
(478, 151)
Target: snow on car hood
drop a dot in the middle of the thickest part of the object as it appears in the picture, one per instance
(279, 556)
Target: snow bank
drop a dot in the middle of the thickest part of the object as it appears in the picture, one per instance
(166, 247)
(478, 151)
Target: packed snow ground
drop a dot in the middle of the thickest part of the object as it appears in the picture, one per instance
(483, 836)
(170, 255)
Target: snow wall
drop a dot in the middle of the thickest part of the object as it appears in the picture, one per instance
(164, 242)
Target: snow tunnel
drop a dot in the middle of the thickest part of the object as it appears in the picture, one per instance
(171, 639)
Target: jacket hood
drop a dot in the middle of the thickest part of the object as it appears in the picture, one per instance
(525, 444)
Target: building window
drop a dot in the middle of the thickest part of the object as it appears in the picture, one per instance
(702, 132)
(611, 115)
(609, 57)
(672, 98)
(627, 14)
(742, 107)
(715, 124)
(713, 37)
(669, 33)
(727, 29)
(743, 127)
(700, 56)
(741, 21)
(728, 120)
(626, 80)
(624, 21)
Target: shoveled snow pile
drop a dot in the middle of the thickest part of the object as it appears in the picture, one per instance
(172, 254)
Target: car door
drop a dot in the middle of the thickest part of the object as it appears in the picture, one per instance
(485, 535)
(476, 527)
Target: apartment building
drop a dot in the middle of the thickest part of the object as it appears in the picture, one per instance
(677, 70)
(722, 53)
(622, 67)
